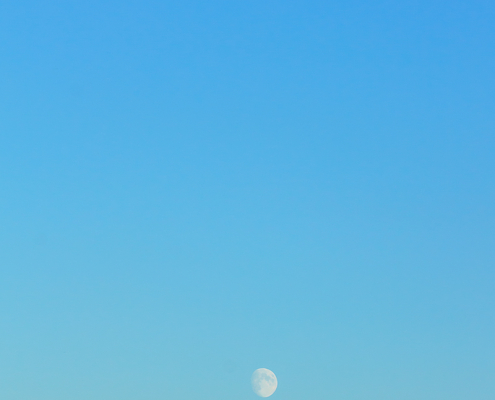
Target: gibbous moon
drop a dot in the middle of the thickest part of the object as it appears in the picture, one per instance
(264, 382)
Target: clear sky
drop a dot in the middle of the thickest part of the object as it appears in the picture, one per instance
(191, 190)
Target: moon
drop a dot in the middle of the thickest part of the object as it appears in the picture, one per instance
(264, 382)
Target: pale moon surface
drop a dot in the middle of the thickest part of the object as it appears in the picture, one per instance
(264, 382)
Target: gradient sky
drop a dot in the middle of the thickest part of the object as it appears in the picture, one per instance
(190, 190)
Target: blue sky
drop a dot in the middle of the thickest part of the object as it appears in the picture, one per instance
(193, 190)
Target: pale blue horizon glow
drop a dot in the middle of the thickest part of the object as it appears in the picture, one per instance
(194, 190)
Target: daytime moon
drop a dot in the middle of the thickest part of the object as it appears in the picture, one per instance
(264, 382)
